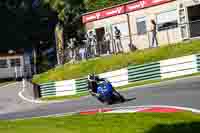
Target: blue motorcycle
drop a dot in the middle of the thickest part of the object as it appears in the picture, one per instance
(107, 94)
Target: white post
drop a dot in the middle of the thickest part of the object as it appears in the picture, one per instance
(16, 74)
(23, 83)
(35, 60)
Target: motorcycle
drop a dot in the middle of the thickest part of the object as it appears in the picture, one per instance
(107, 94)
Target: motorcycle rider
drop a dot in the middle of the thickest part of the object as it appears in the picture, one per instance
(93, 84)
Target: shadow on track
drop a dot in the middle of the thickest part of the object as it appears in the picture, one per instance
(126, 100)
(130, 99)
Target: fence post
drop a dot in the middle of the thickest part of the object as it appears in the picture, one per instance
(36, 90)
(168, 41)
(129, 29)
(148, 36)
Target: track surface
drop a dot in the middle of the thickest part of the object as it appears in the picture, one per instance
(11, 102)
(183, 92)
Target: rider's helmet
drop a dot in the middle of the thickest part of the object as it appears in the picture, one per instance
(92, 77)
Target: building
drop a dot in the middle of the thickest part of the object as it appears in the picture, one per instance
(189, 18)
(176, 20)
(14, 64)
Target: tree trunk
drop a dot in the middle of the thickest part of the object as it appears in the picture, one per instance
(59, 44)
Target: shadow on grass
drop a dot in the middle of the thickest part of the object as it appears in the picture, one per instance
(193, 127)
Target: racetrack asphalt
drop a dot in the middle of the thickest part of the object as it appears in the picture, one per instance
(182, 92)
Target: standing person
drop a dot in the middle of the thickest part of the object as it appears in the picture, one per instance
(82, 53)
(107, 41)
(118, 43)
(86, 45)
(154, 34)
(92, 43)
(71, 46)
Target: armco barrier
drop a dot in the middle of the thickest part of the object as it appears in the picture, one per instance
(71, 87)
(48, 89)
(117, 78)
(158, 70)
(178, 66)
(60, 88)
(198, 62)
(144, 72)
(81, 85)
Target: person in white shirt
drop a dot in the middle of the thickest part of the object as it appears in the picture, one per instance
(82, 53)
(107, 41)
(92, 43)
(71, 46)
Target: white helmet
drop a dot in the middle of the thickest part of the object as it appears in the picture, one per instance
(92, 77)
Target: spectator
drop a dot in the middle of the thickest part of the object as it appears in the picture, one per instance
(82, 53)
(107, 41)
(92, 43)
(154, 34)
(118, 44)
(71, 46)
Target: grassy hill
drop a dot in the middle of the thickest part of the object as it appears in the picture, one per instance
(114, 62)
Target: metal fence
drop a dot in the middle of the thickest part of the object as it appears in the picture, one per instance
(166, 35)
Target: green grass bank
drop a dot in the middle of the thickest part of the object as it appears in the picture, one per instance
(108, 123)
(114, 62)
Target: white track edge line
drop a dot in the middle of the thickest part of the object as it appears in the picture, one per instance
(131, 107)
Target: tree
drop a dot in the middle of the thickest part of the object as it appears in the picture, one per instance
(100, 4)
(69, 14)
(24, 25)
(31, 23)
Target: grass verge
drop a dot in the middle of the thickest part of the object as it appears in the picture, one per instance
(126, 87)
(65, 97)
(108, 123)
(114, 62)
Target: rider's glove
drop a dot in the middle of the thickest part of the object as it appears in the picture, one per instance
(92, 93)
(97, 94)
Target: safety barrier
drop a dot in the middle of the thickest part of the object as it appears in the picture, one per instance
(81, 85)
(178, 66)
(198, 62)
(77, 86)
(60, 88)
(144, 72)
(157, 70)
(117, 78)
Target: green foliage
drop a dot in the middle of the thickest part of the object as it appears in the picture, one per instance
(55, 98)
(93, 5)
(114, 62)
(108, 123)
(69, 15)
(23, 25)
(64, 6)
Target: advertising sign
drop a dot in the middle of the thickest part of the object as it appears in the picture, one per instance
(140, 4)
